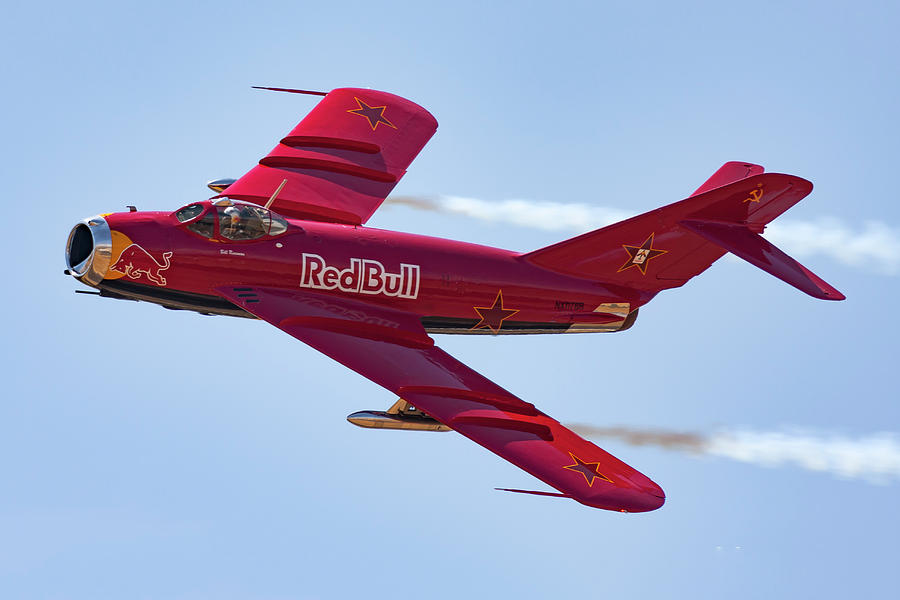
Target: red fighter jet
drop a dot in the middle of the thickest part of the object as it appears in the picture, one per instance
(287, 243)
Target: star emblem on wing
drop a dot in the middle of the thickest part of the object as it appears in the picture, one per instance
(590, 470)
(639, 256)
(373, 114)
(493, 316)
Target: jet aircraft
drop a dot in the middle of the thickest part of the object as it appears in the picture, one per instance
(287, 244)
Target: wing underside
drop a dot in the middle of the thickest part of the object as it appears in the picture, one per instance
(392, 349)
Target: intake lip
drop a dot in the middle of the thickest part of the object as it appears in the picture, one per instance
(89, 250)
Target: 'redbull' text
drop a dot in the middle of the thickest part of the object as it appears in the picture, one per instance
(363, 276)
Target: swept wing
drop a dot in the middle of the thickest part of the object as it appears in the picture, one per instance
(342, 160)
(391, 348)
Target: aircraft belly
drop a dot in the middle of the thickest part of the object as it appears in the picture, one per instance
(171, 299)
(453, 325)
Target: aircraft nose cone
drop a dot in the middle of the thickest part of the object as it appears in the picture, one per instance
(89, 249)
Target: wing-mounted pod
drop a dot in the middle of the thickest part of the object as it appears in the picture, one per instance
(402, 415)
(220, 185)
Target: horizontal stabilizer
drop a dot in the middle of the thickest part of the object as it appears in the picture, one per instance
(758, 251)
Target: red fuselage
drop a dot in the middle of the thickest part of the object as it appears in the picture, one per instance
(455, 287)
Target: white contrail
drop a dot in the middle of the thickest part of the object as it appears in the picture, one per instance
(874, 458)
(550, 216)
(874, 245)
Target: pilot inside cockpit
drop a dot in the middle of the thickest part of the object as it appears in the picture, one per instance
(239, 222)
(230, 223)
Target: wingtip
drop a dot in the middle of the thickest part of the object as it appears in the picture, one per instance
(626, 500)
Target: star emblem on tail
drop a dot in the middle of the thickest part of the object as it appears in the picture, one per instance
(639, 256)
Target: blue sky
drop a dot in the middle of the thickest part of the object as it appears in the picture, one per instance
(153, 454)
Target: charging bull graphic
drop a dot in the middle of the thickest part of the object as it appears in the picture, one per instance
(135, 261)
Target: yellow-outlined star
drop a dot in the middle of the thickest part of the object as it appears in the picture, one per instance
(373, 114)
(639, 256)
(591, 469)
(493, 316)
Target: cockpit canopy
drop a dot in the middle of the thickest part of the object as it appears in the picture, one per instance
(232, 221)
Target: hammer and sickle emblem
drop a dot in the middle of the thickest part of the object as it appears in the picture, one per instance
(755, 195)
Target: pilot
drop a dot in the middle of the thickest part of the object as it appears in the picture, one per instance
(233, 224)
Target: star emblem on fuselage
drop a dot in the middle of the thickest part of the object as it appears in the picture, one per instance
(590, 470)
(493, 316)
(639, 256)
(373, 114)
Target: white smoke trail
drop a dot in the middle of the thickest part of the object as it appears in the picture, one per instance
(551, 216)
(874, 458)
(874, 245)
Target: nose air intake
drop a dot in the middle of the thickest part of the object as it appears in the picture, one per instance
(89, 250)
(81, 245)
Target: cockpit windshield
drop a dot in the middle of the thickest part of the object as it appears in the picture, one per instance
(189, 212)
(237, 222)
(205, 226)
(244, 222)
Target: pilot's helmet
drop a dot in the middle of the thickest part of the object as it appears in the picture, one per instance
(234, 214)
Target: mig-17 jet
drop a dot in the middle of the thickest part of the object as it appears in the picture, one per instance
(287, 243)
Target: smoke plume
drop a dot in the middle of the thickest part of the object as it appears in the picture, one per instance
(874, 458)
(873, 245)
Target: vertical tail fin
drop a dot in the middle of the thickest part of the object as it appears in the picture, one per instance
(730, 172)
(666, 247)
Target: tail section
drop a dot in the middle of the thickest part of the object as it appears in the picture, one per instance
(730, 172)
(666, 247)
(758, 251)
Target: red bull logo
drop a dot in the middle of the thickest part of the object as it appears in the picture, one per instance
(135, 262)
(363, 276)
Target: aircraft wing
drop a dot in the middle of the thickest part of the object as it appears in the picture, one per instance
(342, 160)
(391, 348)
